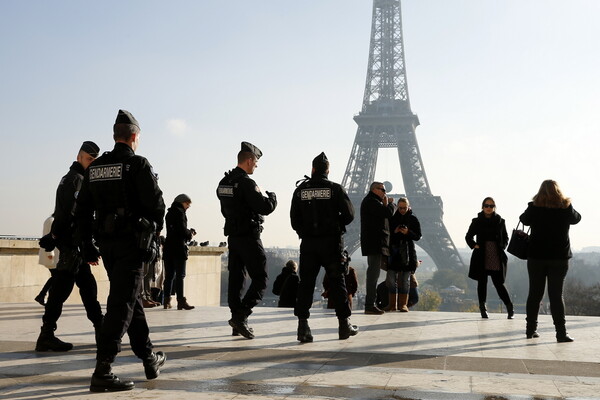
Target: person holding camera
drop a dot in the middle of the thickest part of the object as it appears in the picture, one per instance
(70, 269)
(243, 206)
(550, 216)
(489, 258)
(319, 214)
(121, 206)
(175, 251)
(406, 230)
(375, 211)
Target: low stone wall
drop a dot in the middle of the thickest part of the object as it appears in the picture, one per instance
(21, 277)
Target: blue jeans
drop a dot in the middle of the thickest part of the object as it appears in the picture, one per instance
(398, 281)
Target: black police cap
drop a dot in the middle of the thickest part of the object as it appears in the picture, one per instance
(249, 147)
(320, 162)
(91, 148)
(125, 117)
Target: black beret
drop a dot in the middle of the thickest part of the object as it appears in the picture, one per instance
(125, 117)
(246, 146)
(91, 148)
(320, 162)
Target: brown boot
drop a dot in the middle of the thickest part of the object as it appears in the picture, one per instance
(183, 304)
(392, 303)
(148, 303)
(167, 303)
(402, 302)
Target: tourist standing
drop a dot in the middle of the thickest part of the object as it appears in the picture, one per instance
(550, 216)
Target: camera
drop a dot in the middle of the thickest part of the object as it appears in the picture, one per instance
(403, 227)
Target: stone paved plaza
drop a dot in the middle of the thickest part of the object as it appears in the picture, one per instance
(415, 355)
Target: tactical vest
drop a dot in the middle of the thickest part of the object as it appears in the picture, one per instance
(318, 201)
(112, 192)
(240, 220)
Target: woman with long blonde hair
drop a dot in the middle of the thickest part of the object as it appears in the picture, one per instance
(550, 216)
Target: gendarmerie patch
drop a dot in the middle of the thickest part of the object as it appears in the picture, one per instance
(109, 172)
(225, 191)
(315, 194)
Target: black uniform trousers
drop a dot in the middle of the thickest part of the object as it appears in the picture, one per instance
(317, 252)
(61, 288)
(246, 256)
(124, 310)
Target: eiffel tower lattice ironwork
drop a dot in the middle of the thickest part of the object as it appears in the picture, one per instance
(387, 121)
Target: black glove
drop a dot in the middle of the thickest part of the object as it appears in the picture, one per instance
(272, 196)
(47, 242)
(90, 252)
(192, 231)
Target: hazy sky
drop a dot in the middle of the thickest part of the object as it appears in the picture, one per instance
(506, 92)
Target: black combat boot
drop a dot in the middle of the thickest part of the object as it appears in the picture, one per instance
(531, 330)
(234, 332)
(103, 380)
(483, 310)
(510, 310)
(153, 363)
(346, 329)
(239, 324)
(304, 333)
(562, 336)
(48, 342)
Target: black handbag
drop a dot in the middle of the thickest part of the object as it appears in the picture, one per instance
(519, 242)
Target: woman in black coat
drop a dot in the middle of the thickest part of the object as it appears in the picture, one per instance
(550, 215)
(489, 258)
(406, 229)
(175, 251)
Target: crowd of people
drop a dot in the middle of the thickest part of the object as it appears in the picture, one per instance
(111, 207)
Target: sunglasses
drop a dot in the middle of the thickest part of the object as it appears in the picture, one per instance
(382, 189)
(489, 206)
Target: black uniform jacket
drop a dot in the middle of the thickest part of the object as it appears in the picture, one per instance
(120, 184)
(64, 208)
(177, 233)
(486, 229)
(374, 225)
(398, 239)
(320, 208)
(549, 238)
(243, 204)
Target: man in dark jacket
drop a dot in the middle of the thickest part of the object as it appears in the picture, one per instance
(175, 250)
(121, 205)
(286, 285)
(375, 210)
(243, 206)
(70, 269)
(319, 214)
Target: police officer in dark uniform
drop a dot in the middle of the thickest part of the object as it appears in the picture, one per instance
(70, 269)
(121, 204)
(243, 206)
(319, 214)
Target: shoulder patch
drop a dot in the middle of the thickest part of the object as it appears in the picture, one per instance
(225, 191)
(109, 172)
(315, 194)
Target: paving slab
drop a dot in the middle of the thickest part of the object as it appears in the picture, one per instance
(415, 355)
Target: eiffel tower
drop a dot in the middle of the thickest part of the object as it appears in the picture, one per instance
(387, 121)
